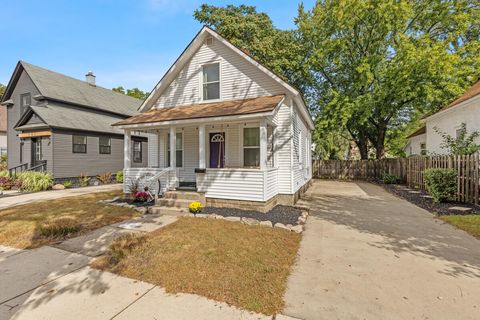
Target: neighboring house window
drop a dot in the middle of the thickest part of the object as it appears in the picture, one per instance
(79, 144)
(21, 152)
(137, 151)
(251, 147)
(105, 145)
(423, 149)
(211, 81)
(38, 149)
(25, 101)
(178, 150)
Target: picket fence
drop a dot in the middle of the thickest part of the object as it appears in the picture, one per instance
(409, 170)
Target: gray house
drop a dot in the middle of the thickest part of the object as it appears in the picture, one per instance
(63, 125)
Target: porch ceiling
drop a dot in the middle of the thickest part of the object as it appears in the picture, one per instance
(206, 110)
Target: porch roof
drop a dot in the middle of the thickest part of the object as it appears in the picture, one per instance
(206, 110)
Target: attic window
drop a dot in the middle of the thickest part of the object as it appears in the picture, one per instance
(209, 41)
(211, 81)
(25, 101)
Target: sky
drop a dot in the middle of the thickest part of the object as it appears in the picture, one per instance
(129, 43)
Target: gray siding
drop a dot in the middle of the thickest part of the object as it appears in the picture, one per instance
(24, 85)
(67, 164)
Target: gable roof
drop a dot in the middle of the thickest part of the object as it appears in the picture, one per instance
(59, 87)
(207, 110)
(71, 118)
(190, 50)
(418, 132)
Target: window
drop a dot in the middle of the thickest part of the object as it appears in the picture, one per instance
(211, 81)
(251, 147)
(105, 145)
(178, 150)
(137, 151)
(423, 149)
(25, 101)
(37, 145)
(79, 144)
(21, 152)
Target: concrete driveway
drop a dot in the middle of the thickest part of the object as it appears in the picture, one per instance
(367, 254)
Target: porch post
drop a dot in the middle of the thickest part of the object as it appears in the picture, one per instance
(127, 149)
(263, 144)
(201, 146)
(173, 147)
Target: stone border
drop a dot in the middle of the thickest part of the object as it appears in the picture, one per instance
(111, 202)
(299, 228)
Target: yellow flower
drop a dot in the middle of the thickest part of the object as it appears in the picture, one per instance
(195, 207)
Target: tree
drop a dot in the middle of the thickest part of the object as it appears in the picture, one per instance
(376, 64)
(134, 92)
(462, 144)
(2, 90)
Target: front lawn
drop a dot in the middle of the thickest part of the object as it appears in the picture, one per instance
(39, 223)
(468, 223)
(245, 266)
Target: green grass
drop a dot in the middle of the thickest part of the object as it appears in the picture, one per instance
(245, 266)
(468, 223)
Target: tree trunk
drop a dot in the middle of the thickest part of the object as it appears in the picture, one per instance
(362, 144)
(380, 142)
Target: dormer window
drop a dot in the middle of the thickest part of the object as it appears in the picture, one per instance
(25, 101)
(211, 81)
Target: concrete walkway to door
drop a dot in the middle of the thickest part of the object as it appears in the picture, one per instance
(367, 254)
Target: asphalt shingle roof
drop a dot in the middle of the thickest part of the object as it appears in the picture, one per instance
(61, 87)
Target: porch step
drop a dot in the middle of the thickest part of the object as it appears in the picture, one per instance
(185, 195)
(173, 203)
(169, 211)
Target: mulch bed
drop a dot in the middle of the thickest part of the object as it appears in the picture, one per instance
(279, 214)
(423, 200)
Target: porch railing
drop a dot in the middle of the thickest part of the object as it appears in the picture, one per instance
(42, 167)
(158, 180)
(15, 170)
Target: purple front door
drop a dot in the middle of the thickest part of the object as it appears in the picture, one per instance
(217, 149)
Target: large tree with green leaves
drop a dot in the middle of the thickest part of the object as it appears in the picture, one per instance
(134, 92)
(2, 90)
(378, 64)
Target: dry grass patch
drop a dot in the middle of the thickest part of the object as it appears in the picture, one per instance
(39, 223)
(468, 223)
(245, 266)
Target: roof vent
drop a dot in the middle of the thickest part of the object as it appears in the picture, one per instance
(90, 78)
(209, 41)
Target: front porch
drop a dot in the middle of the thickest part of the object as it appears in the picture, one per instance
(232, 160)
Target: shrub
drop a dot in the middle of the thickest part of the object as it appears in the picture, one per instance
(195, 207)
(390, 179)
(141, 196)
(67, 184)
(6, 183)
(58, 228)
(133, 186)
(84, 180)
(124, 245)
(119, 176)
(441, 184)
(34, 181)
(105, 178)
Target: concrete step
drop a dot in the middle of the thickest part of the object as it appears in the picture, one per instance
(173, 203)
(169, 211)
(185, 195)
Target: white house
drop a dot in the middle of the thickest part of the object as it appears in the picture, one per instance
(225, 126)
(465, 109)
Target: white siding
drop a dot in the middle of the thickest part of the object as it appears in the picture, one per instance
(414, 145)
(153, 155)
(283, 149)
(238, 80)
(271, 183)
(301, 169)
(450, 120)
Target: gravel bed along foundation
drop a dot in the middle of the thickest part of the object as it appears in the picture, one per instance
(279, 214)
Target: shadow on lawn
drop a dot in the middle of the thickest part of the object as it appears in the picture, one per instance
(404, 227)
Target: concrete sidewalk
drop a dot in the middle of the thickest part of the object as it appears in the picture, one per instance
(366, 254)
(12, 201)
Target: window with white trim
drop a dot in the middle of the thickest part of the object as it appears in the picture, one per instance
(211, 81)
(251, 147)
(137, 151)
(178, 150)
(79, 144)
(105, 145)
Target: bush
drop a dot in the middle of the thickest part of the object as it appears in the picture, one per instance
(195, 207)
(33, 181)
(58, 228)
(6, 183)
(105, 178)
(119, 176)
(390, 179)
(441, 184)
(124, 245)
(84, 180)
(67, 184)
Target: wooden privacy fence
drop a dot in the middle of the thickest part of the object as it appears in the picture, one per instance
(409, 170)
